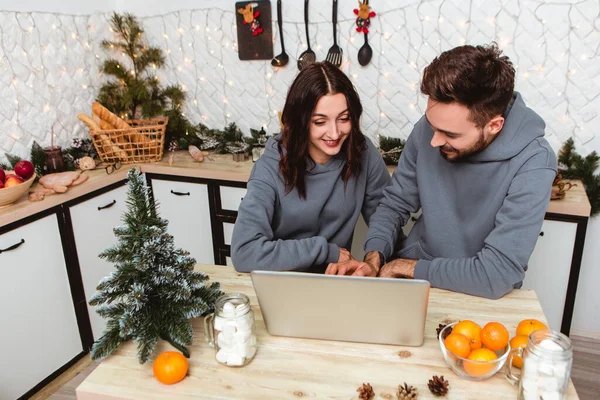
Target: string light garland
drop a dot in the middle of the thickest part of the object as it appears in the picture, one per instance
(201, 51)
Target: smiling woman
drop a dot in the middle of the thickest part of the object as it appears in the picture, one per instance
(306, 192)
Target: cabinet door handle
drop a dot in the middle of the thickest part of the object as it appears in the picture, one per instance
(14, 246)
(109, 205)
(180, 193)
(542, 233)
(242, 199)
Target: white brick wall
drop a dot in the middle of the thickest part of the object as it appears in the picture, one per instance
(49, 62)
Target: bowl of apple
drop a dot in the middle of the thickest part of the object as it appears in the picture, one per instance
(15, 184)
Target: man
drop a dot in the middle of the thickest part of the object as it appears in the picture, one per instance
(478, 166)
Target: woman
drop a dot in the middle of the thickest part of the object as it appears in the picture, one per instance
(307, 190)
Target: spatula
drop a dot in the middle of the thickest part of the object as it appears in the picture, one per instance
(335, 54)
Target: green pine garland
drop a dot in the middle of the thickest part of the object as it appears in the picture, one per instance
(154, 291)
(574, 166)
(134, 92)
(391, 148)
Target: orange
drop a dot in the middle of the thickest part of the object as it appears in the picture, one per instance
(458, 344)
(170, 367)
(477, 368)
(471, 330)
(519, 341)
(527, 326)
(494, 336)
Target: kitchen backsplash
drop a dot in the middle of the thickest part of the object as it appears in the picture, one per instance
(49, 63)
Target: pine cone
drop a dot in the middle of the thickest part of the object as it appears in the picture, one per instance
(365, 392)
(407, 392)
(438, 385)
(446, 332)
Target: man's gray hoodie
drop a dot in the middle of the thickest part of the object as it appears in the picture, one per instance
(480, 216)
(279, 231)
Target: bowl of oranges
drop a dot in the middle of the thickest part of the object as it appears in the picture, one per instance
(474, 352)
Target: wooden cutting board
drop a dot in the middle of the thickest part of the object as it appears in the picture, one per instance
(258, 47)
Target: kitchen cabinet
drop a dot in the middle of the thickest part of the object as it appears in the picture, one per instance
(186, 205)
(553, 270)
(40, 333)
(93, 220)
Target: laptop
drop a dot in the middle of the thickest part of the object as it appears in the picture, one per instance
(343, 308)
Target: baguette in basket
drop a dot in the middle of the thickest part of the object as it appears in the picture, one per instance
(108, 146)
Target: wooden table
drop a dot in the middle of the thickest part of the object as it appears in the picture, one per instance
(290, 368)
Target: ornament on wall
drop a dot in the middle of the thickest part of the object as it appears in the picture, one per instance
(251, 18)
(364, 13)
(365, 53)
(255, 38)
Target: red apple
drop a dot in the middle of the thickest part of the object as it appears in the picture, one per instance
(2, 175)
(1, 183)
(12, 180)
(24, 169)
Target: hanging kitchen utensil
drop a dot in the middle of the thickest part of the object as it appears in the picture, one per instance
(308, 56)
(365, 53)
(282, 59)
(335, 53)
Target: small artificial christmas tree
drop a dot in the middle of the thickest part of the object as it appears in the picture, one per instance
(154, 291)
(135, 92)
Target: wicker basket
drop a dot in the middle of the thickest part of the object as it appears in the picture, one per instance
(142, 143)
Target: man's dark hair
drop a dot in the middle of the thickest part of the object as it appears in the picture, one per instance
(478, 77)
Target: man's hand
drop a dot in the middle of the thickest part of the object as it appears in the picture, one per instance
(399, 268)
(344, 256)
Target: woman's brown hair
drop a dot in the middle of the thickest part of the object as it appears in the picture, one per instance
(478, 77)
(313, 82)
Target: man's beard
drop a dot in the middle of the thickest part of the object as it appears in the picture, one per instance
(452, 155)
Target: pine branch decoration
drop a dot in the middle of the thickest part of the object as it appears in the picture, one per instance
(390, 149)
(12, 160)
(154, 291)
(574, 166)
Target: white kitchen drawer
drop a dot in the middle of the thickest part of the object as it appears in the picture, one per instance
(550, 267)
(185, 205)
(39, 326)
(231, 197)
(93, 223)
(227, 232)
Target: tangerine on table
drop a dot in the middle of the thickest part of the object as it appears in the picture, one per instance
(471, 330)
(527, 326)
(458, 344)
(170, 367)
(477, 368)
(519, 341)
(494, 336)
